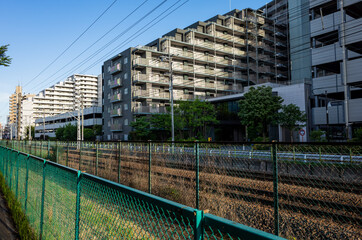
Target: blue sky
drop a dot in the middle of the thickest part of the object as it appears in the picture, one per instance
(39, 31)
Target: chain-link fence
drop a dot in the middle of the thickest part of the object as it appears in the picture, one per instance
(63, 203)
(296, 190)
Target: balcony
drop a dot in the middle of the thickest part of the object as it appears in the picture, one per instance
(149, 110)
(115, 69)
(332, 84)
(335, 115)
(151, 94)
(117, 112)
(354, 71)
(116, 127)
(116, 83)
(116, 98)
(150, 78)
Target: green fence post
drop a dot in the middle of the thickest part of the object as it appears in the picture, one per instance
(80, 155)
(350, 155)
(119, 162)
(56, 155)
(198, 225)
(26, 183)
(275, 189)
(197, 167)
(320, 154)
(41, 149)
(66, 161)
(11, 168)
(17, 175)
(48, 149)
(293, 153)
(149, 167)
(96, 158)
(42, 202)
(77, 207)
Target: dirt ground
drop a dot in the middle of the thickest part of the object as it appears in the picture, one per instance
(7, 226)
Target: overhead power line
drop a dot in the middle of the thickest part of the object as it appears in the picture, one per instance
(72, 42)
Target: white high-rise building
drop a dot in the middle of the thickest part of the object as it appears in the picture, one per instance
(68, 95)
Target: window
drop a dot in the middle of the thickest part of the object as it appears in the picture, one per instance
(186, 91)
(125, 91)
(125, 60)
(207, 80)
(184, 49)
(207, 66)
(186, 63)
(206, 40)
(125, 76)
(186, 77)
(125, 107)
(125, 137)
(225, 44)
(126, 122)
(226, 57)
(206, 53)
(225, 32)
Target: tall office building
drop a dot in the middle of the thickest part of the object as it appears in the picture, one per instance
(213, 58)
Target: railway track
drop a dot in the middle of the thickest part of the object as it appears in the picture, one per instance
(343, 213)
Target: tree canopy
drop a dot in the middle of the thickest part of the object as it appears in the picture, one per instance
(291, 118)
(4, 60)
(259, 109)
(191, 120)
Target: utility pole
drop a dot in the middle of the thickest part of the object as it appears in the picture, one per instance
(82, 105)
(169, 57)
(327, 117)
(344, 55)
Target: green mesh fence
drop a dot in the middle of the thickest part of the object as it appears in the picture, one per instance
(63, 203)
(300, 190)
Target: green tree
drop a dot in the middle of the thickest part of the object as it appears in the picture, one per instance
(291, 117)
(317, 135)
(59, 133)
(141, 128)
(4, 60)
(89, 134)
(97, 129)
(194, 117)
(358, 135)
(259, 109)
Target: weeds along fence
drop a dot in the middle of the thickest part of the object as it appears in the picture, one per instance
(65, 203)
(302, 191)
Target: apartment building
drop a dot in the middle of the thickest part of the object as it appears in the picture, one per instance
(327, 51)
(27, 118)
(48, 126)
(217, 57)
(13, 104)
(77, 91)
(336, 65)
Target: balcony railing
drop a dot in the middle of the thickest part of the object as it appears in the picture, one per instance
(116, 83)
(116, 97)
(149, 110)
(151, 94)
(116, 127)
(117, 112)
(116, 68)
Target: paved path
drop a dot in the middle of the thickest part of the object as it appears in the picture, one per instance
(7, 226)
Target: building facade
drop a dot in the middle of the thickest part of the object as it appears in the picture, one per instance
(77, 91)
(325, 41)
(13, 105)
(208, 59)
(48, 126)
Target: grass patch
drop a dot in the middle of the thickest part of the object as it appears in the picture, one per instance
(20, 219)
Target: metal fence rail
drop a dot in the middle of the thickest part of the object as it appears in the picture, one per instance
(300, 190)
(64, 203)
